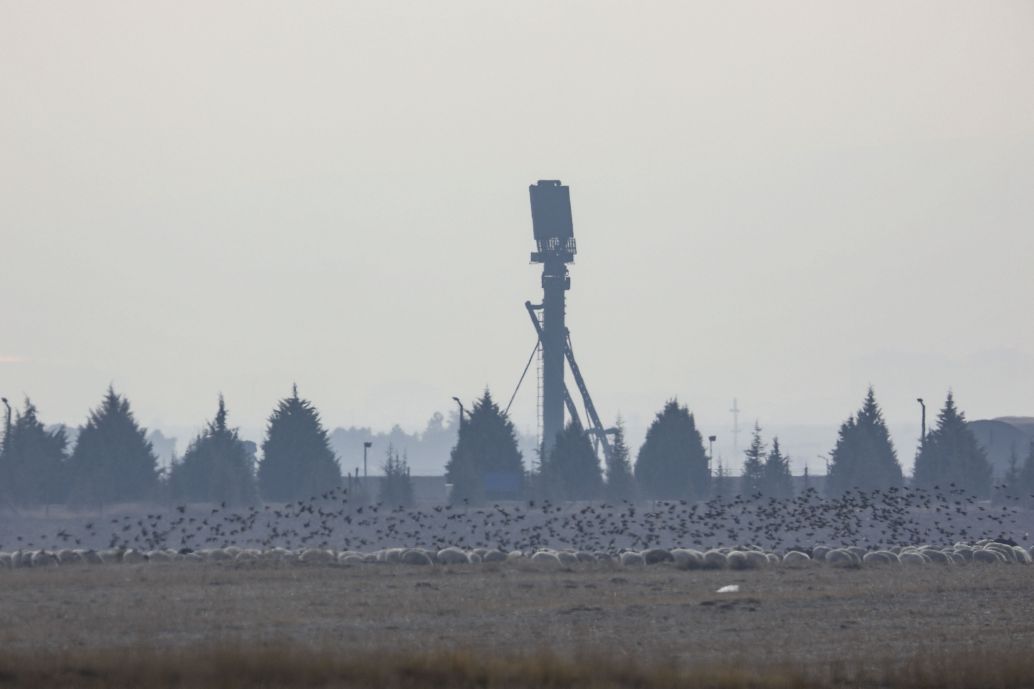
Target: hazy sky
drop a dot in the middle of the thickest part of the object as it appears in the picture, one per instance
(776, 201)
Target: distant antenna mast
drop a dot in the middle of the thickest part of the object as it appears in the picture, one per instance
(735, 426)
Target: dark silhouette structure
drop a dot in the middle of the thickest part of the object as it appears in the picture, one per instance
(555, 247)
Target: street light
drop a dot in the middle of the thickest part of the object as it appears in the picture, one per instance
(7, 420)
(922, 438)
(457, 400)
(366, 446)
(710, 450)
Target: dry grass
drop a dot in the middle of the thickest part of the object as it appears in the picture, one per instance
(227, 625)
(231, 667)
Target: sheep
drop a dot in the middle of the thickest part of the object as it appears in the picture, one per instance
(756, 559)
(1022, 556)
(514, 556)
(414, 556)
(840, 557)
(686, 558)
(818, 553)
(453, 556)
(158, 556)
(937, 556)
(41, 558)
(737, 559)
(986, 556)
(912, 558)
(317, 556)
(132, 556)
(796, 558)
(5, 560)
(584, 556)
(653, 556)
(546, 558)
(714, 559)
(632, 559)
(494, 556)
(69, 557)
(880, 557)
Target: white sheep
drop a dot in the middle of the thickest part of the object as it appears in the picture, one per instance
(317, 556)
(453, 556)
(632, 559)
(414, 556)
(546, 558)
(687, 558)
(796, 558)
(714, 559)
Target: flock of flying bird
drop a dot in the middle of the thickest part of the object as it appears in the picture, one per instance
(870, 519)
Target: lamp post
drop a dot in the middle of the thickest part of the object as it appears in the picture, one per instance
(710, 450)
(457, 400)
(366, 446)
(922, 437)
(7, 420)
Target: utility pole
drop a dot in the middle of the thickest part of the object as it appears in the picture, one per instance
(457, 400)
(366, 446)
(710, 451)
(922, 437)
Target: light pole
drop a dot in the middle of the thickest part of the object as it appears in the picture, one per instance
(710, 450)
(457, 400)
(366, 446)
(7, 420)
(922, 438)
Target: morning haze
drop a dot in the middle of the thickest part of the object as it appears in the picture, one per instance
(777, 202)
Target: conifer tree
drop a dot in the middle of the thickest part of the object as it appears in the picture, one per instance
(486, 462)
(864, 456)
(572, 471)
(951, 457)
(672, 463)
(777, 483)
(217, 466)
(620, 481)
(752, 481)
(33, 462)
(396, 487)
(297, 461)
(112, 460)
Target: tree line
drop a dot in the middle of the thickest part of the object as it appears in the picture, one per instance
(112, 461)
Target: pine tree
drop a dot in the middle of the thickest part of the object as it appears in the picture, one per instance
(672, 463)
(217, 467)
(485, 463)
(777, 483)
(33, 462)
(572, 471)
(396, 487)
(620, 481)
(864, 456)
(297, 461)
(752, 481)
(112, 460)
(951, 457)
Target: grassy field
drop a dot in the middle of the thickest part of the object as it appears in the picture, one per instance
(183, 624)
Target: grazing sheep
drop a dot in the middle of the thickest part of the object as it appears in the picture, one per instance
(132, 557)
(911, 558)
(317, 556)
(5, 560)
(653, 556)
(585, 556)
(796, 558)
(567, 558)
(69, 557)
(632, 559)
(937, 556)
(605, 558)
(818, 553)
(1022, 556)
(840, 557)
(756, 559)
(737, 559)
(546, 558)
(414, 556)
(986, 556)
(494, 556)
(714, 559)
(453, 556)
(514, 556)
(41, 558)
(880, 557)
(686, 558)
